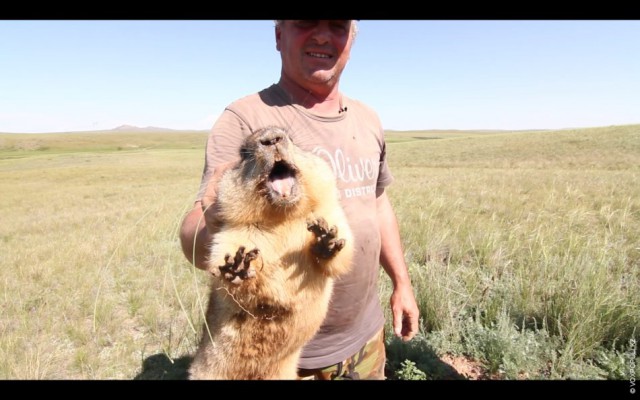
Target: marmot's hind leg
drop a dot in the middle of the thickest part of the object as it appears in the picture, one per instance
(239, 268)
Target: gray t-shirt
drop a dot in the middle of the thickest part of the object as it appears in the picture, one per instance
(352, 142)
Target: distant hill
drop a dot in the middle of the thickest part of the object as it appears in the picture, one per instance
(130, 128)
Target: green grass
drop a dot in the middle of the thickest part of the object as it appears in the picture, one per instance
(522, 246)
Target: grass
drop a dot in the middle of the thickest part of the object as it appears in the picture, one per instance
(519, 238)
(91, 269)
(522, 246)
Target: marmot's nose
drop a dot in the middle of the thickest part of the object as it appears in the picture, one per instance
(271, 138)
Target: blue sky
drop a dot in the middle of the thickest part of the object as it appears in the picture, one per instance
(73, 75)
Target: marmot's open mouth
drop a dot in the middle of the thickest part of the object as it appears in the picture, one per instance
(282, 180)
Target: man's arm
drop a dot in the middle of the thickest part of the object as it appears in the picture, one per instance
(403, 302)
(194, 236)
(200, 223)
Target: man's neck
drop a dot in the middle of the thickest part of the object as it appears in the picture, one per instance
(327, 101)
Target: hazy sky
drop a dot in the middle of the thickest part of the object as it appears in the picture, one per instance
(69, 75)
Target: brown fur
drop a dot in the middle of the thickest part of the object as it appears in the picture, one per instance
(265, 304)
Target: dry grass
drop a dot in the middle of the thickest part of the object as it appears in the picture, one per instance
(535, 230)
(92, 276)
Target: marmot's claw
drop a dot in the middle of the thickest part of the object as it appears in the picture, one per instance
(326, 245)
(238, 268)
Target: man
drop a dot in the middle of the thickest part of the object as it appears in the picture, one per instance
(348, 134)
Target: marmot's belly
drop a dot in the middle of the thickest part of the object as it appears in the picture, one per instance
(266, 334)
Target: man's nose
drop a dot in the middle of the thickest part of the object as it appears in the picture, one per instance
(321, 33)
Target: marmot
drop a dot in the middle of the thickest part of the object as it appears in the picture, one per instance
(283, 239)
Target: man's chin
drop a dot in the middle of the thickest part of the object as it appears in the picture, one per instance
(323, 76)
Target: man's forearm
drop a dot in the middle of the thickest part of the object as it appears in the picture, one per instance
(391, 253)
(194, 237)
(403, 304)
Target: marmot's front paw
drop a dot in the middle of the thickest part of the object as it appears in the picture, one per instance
(326, 245)
(239, 268)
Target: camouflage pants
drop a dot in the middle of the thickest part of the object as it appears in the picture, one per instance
(367, 363)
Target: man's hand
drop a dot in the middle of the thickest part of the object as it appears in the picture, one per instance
(209, 196)
(405, 312)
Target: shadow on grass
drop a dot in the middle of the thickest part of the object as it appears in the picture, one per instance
(161, 367)
(422, 354)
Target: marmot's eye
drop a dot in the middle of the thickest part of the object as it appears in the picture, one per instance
(244, 153)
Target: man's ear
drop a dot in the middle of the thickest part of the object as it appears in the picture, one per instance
(278, 33)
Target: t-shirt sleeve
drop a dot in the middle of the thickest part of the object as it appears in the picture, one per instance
(385, 178)
(223, 145)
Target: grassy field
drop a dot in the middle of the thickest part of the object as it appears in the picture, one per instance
(523, 248)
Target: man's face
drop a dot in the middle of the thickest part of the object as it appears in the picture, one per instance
(314, 52)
